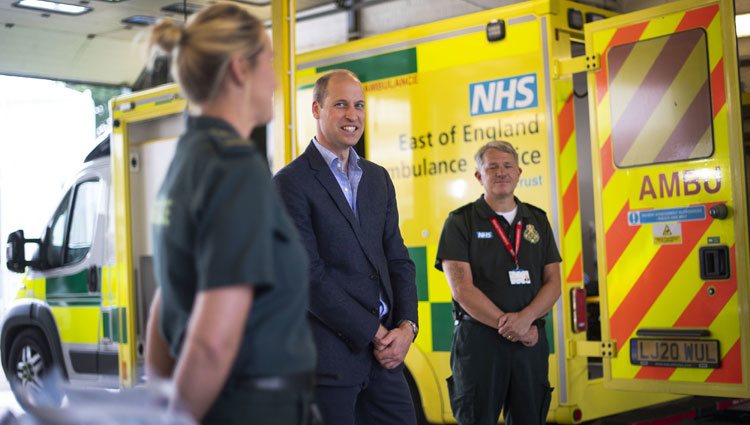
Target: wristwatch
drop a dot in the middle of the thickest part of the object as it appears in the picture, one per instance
(414, 327)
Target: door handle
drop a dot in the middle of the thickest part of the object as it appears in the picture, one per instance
(92, 279)
(714, 262)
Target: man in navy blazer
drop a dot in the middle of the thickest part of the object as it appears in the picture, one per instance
(363, 299)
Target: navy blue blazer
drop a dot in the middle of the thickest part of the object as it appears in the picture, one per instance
(350, 260)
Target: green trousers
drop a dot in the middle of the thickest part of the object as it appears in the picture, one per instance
(491, 374)
(250, 407)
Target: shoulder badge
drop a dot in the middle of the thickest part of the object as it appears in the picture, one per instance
(228, 143)
(160, 212)
(530, 234)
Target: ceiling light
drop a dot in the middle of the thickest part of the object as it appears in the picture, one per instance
(187, 8)
(141, 20)
(743, 25)
(53, 6)
(255, 2)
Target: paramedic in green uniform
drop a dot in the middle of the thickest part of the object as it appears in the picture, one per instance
(502, 265)
(229, 323)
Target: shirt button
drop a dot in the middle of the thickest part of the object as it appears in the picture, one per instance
(374, 311)
(373, 276)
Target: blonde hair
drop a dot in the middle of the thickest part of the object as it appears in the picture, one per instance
(202, 49)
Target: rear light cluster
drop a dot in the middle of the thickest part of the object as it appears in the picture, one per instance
(578, 309)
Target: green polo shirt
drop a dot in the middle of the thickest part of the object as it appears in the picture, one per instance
(218, 221)
(469, 236)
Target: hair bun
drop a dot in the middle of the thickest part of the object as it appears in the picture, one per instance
(168, 34)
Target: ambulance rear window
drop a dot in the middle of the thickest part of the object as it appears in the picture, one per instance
(660, 100)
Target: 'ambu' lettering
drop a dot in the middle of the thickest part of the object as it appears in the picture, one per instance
(687, 183)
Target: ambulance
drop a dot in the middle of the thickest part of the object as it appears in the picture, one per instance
(629, 135)
(653, 203)
(82, 304)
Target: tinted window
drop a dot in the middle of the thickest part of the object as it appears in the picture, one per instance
(69, 235)
(83, 220)
(55, 237)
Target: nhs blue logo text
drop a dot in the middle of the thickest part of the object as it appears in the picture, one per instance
(505, 94)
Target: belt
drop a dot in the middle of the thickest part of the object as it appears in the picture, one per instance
(539, 323)
(294, 382)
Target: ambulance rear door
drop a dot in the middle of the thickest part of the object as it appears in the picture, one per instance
(672, 235)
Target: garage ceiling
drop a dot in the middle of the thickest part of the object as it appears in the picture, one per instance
(80, 48)
(98, 47)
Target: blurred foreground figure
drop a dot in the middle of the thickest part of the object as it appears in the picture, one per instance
(229, 322)
(145, 405)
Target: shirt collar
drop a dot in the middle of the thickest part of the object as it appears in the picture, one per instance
(484, 210)
(330, 158)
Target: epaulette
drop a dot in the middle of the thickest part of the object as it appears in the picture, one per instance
(535, 209)
(462, 209)
(227, 142)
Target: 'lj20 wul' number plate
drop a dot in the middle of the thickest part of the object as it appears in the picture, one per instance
(699, 353)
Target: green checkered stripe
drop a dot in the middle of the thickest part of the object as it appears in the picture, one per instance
(436, 321)
(435, 309)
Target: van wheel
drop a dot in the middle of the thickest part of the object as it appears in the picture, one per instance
(29, 363)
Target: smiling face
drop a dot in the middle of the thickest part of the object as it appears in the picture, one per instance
(341, 114)
(498, 174)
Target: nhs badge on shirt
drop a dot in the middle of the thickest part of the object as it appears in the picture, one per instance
(484, 235)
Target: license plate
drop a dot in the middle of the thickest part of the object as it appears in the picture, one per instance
(703, 353)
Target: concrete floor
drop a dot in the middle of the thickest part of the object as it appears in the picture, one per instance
(7, 400)
(694, 410)
(665, 414)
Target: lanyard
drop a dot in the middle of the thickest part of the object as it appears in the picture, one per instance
(506, 241)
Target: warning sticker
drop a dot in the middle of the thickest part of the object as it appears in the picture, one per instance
(692, 213)
(667, 233)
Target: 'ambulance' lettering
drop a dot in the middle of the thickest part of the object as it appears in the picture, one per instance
(505, 94)
(687, 183)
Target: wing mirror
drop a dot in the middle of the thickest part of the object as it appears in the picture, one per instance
(16, 252)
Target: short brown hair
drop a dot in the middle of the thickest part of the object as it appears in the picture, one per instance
(320, 91)
(500, 145)
(203, 48)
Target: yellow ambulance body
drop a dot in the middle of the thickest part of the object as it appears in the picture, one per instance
(435, 93)
(671, 221)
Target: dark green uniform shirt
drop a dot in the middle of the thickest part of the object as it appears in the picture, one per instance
(469, 236)
(218, 221)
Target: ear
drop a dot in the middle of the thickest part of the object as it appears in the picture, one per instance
(520, 170)
(478, 175)
(316, 109)
(238, 68)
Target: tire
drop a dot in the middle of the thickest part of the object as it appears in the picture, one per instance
(29, 363)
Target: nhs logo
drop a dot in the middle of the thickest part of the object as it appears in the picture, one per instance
(505, 94)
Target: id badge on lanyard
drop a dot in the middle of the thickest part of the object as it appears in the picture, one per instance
(518, 276)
